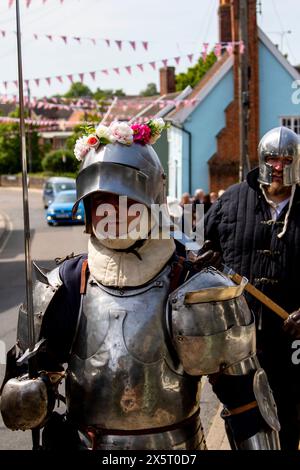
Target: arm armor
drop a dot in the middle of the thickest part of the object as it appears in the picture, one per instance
(213, 332)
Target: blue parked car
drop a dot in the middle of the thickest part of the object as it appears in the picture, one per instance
(60, 211)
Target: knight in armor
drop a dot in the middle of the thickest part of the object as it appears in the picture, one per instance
(255, 225)
(133, 327)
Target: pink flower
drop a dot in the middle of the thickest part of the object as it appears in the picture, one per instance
(92, 141)
(141, 133)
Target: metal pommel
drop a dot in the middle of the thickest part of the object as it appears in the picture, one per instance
(24, 403)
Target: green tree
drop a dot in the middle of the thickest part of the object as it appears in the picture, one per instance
(10, 149)
(78, 90)
(195, 73)
(60, 161)
(150, 90)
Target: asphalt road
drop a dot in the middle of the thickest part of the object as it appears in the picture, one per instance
(47, 244)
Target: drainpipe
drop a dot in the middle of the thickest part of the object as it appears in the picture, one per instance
(190, 151)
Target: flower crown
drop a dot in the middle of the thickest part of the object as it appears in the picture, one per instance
(120, 132)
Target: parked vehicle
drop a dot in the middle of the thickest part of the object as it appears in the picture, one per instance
(60, 211)
(55, 185)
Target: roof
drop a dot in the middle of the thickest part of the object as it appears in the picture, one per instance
(280, 57)
(212, 77)
(129, 108)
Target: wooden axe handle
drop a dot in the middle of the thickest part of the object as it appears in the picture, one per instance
(261, 297)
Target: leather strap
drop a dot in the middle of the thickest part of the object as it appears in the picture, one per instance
(240, 409)
(84, 276)
(177, 268)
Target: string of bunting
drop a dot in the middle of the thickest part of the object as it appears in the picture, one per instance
(85, 104)
(229, 47)
(28, 2)
(79, 39)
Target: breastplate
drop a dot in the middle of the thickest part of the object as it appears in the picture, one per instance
(123, 373)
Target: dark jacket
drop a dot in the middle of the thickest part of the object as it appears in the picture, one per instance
(240, 226)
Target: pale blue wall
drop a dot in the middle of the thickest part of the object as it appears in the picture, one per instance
(204, 124)
(275, 91)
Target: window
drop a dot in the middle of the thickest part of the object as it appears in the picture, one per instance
(292, 122)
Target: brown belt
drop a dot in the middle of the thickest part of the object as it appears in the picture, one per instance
(240, 409)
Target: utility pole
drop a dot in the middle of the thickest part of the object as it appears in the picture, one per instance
(29, 136)
(244, 166)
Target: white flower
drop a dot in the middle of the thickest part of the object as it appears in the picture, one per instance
(81, 147)
(104, 134)
(121, 132)
(159, 124)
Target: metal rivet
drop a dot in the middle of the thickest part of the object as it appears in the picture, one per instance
(174, 300)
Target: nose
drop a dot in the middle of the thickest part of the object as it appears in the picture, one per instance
(278, 165)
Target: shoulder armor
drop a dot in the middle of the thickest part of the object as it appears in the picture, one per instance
(47, 284)
(210, 323)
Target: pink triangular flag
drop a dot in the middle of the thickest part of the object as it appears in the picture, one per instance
(10, 3)
(26, 83)
(218, 49)
(119, 44)
(59, 78)
(81, 76)
(28, 3)
(242, 47)
(204, 55)
(145, 45)
(78, 39)
(5, 84)
(117, 70)
(16, 83)
(141, 67)
(177, 60)
(104, 71)
(37, 81)
(3, 33)
(165, 62)
(70, 77)
(128, 68)
(93, 41)
(48, 80)
(93, 75)
(205, 46)
(35, 36)
(190, 57)
(49, 36)
(153, 65)
(133, 44)
(229, 48)
(107, 42)
(64, 38)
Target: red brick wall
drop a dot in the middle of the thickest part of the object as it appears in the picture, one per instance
(224, 165)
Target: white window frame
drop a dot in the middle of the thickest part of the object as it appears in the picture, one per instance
(292, 122)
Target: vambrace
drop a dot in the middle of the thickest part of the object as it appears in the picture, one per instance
(249, 412)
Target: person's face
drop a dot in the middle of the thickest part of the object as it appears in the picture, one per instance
(107, 206)
(278, 164)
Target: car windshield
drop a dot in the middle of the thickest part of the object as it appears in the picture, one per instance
(64, 186)
(66, 197)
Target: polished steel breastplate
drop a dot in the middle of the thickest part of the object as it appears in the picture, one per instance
(122, 374)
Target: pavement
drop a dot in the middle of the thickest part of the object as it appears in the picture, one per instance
(3, 228)
(216, 438)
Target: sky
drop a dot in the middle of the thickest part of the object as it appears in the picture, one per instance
(172, 28)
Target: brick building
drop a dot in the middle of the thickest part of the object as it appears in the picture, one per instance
(204, 140)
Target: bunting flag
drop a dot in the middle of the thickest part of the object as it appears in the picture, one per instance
(154, 64)
(28, 2)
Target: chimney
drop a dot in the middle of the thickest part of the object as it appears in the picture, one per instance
(167, 80)
(225, 33)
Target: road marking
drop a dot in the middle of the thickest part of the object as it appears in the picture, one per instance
(8, 230)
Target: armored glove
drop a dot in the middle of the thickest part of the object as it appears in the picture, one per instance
(207, 257)
(292, 325)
